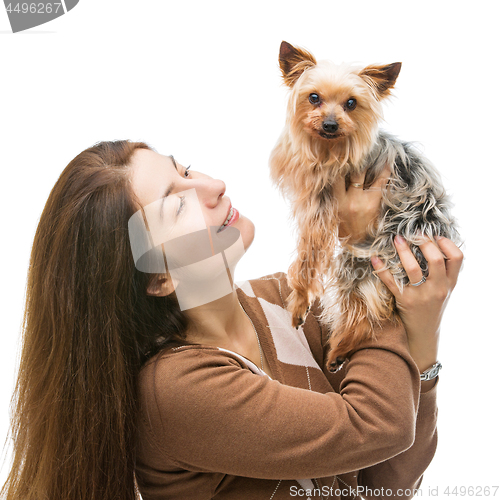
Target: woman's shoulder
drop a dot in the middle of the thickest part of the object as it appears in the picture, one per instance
(174, 362)
(177, 375)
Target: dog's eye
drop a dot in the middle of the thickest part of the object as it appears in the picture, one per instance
(314, 98)
(351, 103)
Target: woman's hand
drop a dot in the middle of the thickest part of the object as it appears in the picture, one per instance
(421, 307)
(358, 208)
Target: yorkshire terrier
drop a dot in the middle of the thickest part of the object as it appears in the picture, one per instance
(331, 132)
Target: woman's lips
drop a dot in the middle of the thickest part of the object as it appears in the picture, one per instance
(233, 216)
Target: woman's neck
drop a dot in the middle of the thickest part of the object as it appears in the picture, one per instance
(224, 323)
(219, 323)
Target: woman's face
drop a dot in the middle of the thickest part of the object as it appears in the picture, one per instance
(178, 207)
(156, 177)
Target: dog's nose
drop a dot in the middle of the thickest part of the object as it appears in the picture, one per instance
(330, 126)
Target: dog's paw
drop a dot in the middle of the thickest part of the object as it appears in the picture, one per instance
(298, 305)
(336, 365)
(336, 359)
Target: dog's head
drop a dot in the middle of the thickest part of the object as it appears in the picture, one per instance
(337, 107)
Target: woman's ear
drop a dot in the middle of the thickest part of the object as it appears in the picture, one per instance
(160, 286)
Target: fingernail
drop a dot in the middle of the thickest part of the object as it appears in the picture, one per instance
(399, 239)
(376, 261)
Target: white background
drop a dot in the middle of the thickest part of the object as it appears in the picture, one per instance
(200, 80)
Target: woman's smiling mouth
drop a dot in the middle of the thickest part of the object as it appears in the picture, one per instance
(232, 216)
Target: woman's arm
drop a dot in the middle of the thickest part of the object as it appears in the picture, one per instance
(421, 309)
(403, 474)
(204, 412)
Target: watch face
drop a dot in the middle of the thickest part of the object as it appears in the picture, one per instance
(431, 372)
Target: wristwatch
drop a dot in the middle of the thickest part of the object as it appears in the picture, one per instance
(431, 372)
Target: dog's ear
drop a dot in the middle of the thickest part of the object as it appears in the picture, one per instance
(381, 78)
(293, 62)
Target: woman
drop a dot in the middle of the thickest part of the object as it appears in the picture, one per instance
(223, 399)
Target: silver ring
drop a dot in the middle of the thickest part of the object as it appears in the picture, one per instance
(423, 280)
(356, 185)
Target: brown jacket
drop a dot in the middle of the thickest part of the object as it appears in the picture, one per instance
(211, 428)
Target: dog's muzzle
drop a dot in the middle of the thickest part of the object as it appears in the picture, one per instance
(330, 126)
(329, 129)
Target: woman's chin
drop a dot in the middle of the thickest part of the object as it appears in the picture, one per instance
(247, 230)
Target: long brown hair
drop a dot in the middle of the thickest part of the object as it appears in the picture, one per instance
(88, 328)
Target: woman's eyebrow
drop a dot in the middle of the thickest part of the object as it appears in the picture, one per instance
(173, 161)
(169, 189)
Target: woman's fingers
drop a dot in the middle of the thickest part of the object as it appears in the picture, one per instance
(444, 260)
(358, 178)
(382, 179)
(435, 260)
(454, 259)
(358, 208)
(385, 275)
(339, 188)
(408, 260)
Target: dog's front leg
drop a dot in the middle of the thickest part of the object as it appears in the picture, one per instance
(305, 275)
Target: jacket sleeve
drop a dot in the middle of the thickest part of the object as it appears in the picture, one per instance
(206, 412)
(402, 474)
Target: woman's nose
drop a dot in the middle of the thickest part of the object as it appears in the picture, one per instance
(210, 191)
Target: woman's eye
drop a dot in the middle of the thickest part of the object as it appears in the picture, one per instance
(186, 172)
(314, 98)
(182, 203)
(351, 103)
